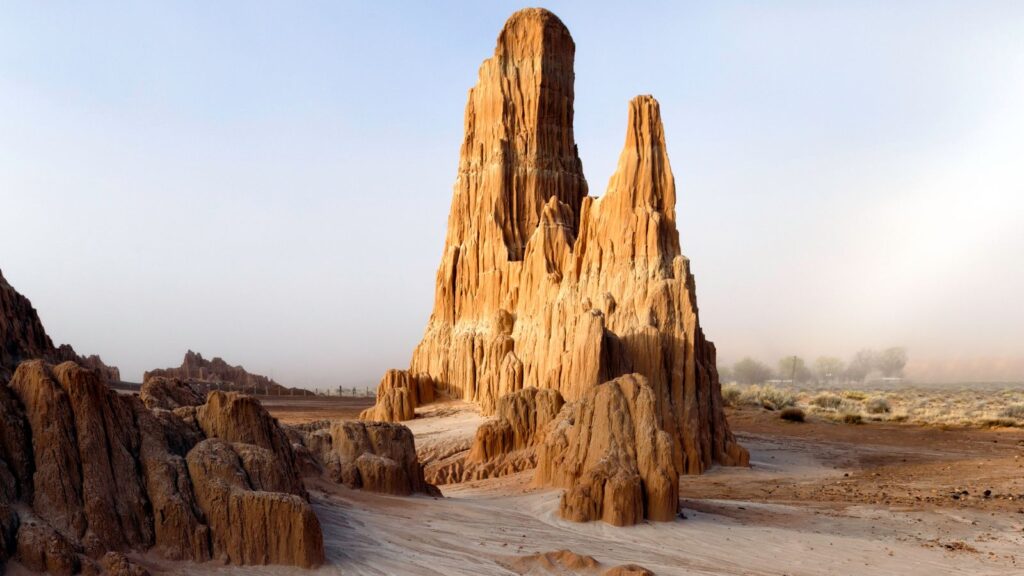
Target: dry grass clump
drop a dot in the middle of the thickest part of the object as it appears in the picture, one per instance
(1015, 411)
(792, 414)
(768, 397)
(877, 405)
(852, 418)
(946, 406)
(827, 400)
(731, 395)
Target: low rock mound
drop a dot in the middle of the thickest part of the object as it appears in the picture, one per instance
(374, 456)
(568, 562)
(85, 471)
(612, 457)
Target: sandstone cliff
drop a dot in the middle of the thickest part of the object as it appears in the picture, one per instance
(85, 472)
(543, 286)
(22, 337)
(216, 374)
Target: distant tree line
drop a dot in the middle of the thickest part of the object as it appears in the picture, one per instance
(888, 363)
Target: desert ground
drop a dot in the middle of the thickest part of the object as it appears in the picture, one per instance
(820, 497)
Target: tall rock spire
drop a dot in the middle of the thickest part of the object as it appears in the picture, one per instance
(519, 148)
(542, 286)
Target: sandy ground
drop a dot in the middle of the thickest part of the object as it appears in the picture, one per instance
(302, 409)
(819, 498)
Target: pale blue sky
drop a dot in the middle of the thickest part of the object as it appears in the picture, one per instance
(270, 182)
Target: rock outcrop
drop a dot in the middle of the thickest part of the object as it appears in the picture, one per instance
(614, 459)
(398, 395)
(85, 472)
(373, 456)
(543, 286)
(170, 393)
(205, 375)
(22, 337)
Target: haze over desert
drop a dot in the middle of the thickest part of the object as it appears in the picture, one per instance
(562, 406)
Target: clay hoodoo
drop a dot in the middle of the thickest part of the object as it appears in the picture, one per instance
(542, 286)
(373, 456)
(86, 474)
(22, 337)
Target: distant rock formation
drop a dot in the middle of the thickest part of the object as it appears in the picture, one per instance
(373, 456)
(22, 337)
(216, 374)
(85, 472)
(541, 285)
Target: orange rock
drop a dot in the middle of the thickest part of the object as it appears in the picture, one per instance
(376, 456)
(86, 473)
(252, 520)
(609, 452)
(542, 286)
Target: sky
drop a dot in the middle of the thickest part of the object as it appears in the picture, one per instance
(269, 181)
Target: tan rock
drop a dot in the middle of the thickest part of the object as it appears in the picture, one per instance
(94, 473)
(238, 418)
(374, 456)
(43, 549)
(609, 453)
(205, 375)
(249, 526)
(398, 395)
(542, 286)
(170, 393)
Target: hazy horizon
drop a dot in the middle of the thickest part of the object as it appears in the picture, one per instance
(272, 186)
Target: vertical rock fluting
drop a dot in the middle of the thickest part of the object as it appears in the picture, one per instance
(540, 285)
(86, 472)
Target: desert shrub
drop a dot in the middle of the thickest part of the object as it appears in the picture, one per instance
(792, 414)
(852, 418)
(999, 423)
(877, 405)
(1013, 411)
(827, 400)
(768, 397)
(731, 395)
(854, 395)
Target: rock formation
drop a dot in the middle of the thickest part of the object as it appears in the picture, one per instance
(22, 337)
(205, 375)
(612, 456)
(170, 393)
(374, 456)
(543, 286)
(505, 445)
(398, 394)
(85, 471)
